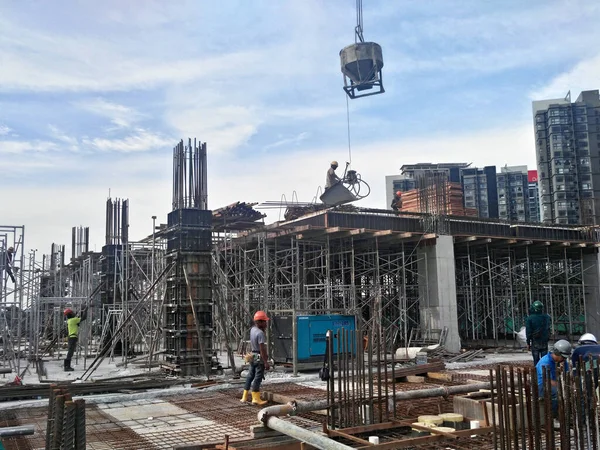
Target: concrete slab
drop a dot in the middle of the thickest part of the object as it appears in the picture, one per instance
(134, 411)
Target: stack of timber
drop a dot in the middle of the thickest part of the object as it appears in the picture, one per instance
(237, 213)
(444, 198)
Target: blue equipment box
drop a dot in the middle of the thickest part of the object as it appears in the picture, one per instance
(311, 336)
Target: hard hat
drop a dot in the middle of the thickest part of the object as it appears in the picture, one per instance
(68, 311)
(260, 315)
(563, 348)
(587, 338)
(537, 305)
(398, 193)
(334, 163)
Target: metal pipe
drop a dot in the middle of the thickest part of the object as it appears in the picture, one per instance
(268, 416)
(22, 430)
(441, 391)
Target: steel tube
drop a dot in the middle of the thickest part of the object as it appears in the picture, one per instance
(268, 416)
(22, 430)
(441, 391)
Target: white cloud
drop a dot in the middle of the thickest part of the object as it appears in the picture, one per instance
(288, 142)
(141, 141)
(18, 147)
(120, 116)
(584, 76)
(4, 130)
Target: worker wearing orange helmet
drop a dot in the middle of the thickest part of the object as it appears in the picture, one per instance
(258, 359)
(397, 201)
(73, 333)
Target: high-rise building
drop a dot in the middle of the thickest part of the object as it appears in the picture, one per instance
(567, 136)
(407, 179)
(534, 196)
(480, 190)
(513, 194)
(479, 185)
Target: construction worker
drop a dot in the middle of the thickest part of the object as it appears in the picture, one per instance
(537, 329)
(258, 359)
(332, 178)
(10, 255)
(73, 333)
(560, 354)
(587, 347)
(397, 201)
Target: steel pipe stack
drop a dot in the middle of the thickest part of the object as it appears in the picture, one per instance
(188, 320)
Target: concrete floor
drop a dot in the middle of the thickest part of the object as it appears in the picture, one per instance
(187, 416)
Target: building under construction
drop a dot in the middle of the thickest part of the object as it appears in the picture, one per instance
(409, 272)
(166, 306)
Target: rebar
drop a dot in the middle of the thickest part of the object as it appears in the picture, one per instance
(569, 398)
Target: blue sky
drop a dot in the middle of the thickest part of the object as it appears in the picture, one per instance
(94, 95)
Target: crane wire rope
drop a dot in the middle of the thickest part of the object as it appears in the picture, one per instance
(348, 123)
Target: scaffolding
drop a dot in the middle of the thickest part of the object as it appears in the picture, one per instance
(497, 283)
(372, 264)
(376, 279)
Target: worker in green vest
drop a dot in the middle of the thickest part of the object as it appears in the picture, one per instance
(73, 334)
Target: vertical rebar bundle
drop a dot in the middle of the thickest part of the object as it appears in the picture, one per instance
(65, 429)
(527, 415)
(80, 241)
(359, 389)
(190, 176)
(117, 222)
(188, 306)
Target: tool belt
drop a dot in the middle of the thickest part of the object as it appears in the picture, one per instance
(252, 357)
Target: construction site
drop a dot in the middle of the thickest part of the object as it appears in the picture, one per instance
(399, 328)
(415, 315)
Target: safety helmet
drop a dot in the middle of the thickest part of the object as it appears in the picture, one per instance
(587, 338)
(399, 193)
(334, 163)
(260, 315)
(68, 311)
(537, 305)
(563, 348)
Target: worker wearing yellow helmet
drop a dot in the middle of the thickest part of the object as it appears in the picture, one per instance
(332, 178)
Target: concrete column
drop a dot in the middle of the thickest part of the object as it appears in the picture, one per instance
(591, 277)
(438, 290)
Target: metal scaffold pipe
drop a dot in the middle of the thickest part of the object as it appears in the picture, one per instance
(268, 416)
(439, 392)
(17, 431)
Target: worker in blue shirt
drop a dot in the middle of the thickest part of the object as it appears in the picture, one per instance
(560, 354)
(537, 329)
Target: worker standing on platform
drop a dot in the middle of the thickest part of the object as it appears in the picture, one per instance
(332, 178)
(73, 333)
(397, 201)
(258, 359)
(10, 256)
(537, 329)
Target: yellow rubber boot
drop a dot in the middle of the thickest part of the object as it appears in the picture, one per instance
(244, 397)
(256, 399)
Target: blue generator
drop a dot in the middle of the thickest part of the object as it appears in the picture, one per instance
(311, 336)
